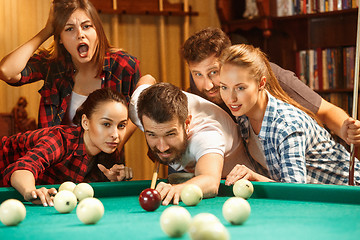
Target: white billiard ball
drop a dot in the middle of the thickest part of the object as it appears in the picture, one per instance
(83, 190)
(236, 210)
(65, 201)
(199, 220)
(214, 230)
(12, 212)
(90, 210)
(67, 186)
(191, 194)
(203, 218)
(243, 188)
(175, 221)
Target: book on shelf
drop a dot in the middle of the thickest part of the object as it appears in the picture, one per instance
(294, 7)
(326, 69)
(284, 8)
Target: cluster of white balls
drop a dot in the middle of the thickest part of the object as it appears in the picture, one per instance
(176, 220)
(89, 210)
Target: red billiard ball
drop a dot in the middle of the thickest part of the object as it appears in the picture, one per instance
(150, 199)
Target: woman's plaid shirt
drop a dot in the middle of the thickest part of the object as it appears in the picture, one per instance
(53, 155)
(297, 149)
(121, 73)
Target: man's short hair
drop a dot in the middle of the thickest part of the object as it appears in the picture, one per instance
(163, 102)
(205, 43)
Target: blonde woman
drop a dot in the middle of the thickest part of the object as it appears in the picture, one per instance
(296, 148)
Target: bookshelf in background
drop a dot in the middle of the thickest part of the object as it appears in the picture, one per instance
(294, 7)
(327, 71)
(330, 72)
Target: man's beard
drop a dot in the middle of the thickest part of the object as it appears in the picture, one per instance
(176, 159)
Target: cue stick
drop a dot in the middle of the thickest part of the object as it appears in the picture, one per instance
(115, 25)
(186, 27)
(162, 43)
(355, 99)
(155, 174)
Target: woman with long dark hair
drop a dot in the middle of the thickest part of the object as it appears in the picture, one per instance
(62, 153)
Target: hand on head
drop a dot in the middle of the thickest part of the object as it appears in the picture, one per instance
(49, 24)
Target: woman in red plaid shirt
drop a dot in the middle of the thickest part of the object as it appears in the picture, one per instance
(67, 153)
(79, 61)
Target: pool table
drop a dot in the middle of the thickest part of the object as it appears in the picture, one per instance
(278, 211)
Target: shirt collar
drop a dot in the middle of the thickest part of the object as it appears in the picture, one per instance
(80, 149)
(69, 66)
(269, 116)
(244, 125)
(107, 64)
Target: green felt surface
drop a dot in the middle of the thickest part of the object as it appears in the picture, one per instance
(278, 214)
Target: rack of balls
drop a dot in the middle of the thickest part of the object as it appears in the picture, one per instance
(89, 210)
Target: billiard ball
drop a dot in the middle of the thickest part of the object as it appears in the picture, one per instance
(83, 190)
(203, 218)
(175, 221)
(150, 199)
(211, 231)
(191, 194)
(243, 188)
(236, 210)
(90, 210)
(12, 212)
(68, 185)
(65, 201)
(199, 220)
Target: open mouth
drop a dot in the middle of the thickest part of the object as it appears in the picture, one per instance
(83, 50)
